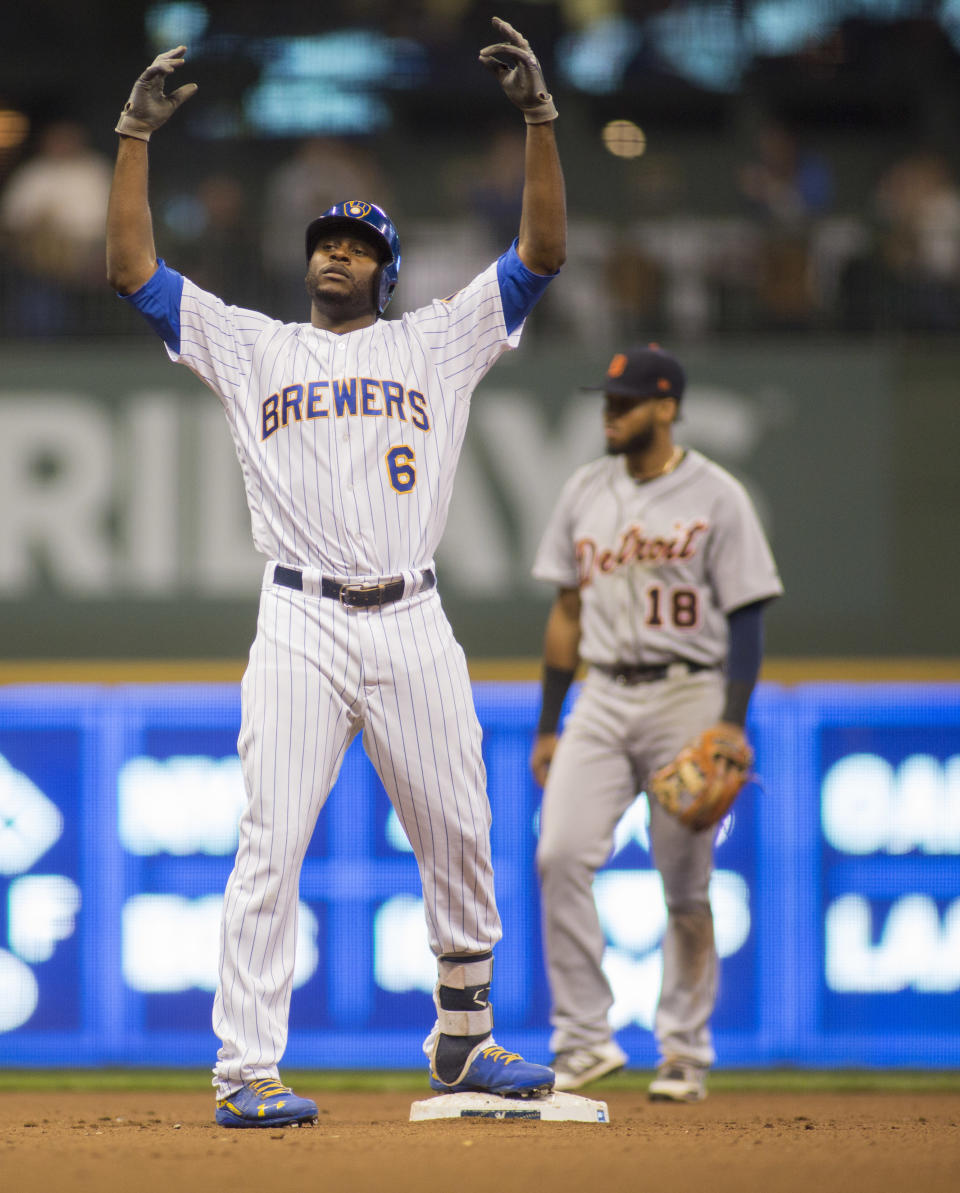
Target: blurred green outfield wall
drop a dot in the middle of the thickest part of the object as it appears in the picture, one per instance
(124, 531)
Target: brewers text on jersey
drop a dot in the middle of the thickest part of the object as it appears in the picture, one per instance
(341, 396)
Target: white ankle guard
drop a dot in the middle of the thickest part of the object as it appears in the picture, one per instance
(465, 975)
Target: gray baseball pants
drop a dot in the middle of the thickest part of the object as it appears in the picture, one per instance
(615, 738)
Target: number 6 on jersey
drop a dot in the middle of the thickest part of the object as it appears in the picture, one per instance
(400, 462)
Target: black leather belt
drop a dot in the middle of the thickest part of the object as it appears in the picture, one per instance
(630, 673)
(353, 596)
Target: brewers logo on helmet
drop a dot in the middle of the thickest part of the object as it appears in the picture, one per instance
(357, 213)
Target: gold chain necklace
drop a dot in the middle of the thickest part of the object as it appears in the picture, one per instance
(675, 457)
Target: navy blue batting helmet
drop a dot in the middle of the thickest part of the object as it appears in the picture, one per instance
(357, 213)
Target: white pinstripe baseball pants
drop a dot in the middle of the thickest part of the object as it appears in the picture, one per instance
(318, 674)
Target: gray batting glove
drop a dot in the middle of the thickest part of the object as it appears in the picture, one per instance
(517, 68)
(148, 107)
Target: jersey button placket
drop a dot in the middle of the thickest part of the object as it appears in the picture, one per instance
(349, 439)
(335, 369)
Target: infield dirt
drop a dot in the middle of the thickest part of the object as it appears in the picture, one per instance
(166, 1142)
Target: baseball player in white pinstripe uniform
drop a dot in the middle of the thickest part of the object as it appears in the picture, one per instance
(348, 429)
(662, 572)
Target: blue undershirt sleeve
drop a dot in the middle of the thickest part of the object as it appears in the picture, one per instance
(520, 288)
(744, 657)
(158, 301)
(745, 651)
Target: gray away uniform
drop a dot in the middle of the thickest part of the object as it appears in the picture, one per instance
(659, 565)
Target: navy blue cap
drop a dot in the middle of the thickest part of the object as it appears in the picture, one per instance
(643, 372)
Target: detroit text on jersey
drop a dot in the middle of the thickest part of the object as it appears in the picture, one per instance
(636, 547)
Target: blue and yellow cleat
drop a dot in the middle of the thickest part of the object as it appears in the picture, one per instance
(265, 1103)
(490, 1069)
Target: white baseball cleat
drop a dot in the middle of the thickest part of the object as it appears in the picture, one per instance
(678, 1081)
(577, 1067)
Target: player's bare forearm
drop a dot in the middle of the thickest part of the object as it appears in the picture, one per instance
(561, 640)
(131, 254)
(543, 220)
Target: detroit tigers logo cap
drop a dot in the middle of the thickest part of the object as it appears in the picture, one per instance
(645, 371)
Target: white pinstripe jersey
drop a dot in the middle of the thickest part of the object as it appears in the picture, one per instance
(658, 563)
(348, 443)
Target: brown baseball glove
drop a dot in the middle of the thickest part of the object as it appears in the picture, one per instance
(701, 783)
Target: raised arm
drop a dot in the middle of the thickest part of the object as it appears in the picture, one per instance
(543, 219)
(131, 253)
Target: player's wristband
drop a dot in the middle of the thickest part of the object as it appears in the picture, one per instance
(556, 684)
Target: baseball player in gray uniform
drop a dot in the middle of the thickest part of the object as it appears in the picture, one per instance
(348, 429)
(662, 571)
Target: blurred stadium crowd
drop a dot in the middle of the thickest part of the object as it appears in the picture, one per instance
(778, 165)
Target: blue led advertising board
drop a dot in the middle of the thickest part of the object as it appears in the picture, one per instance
(836, 891)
